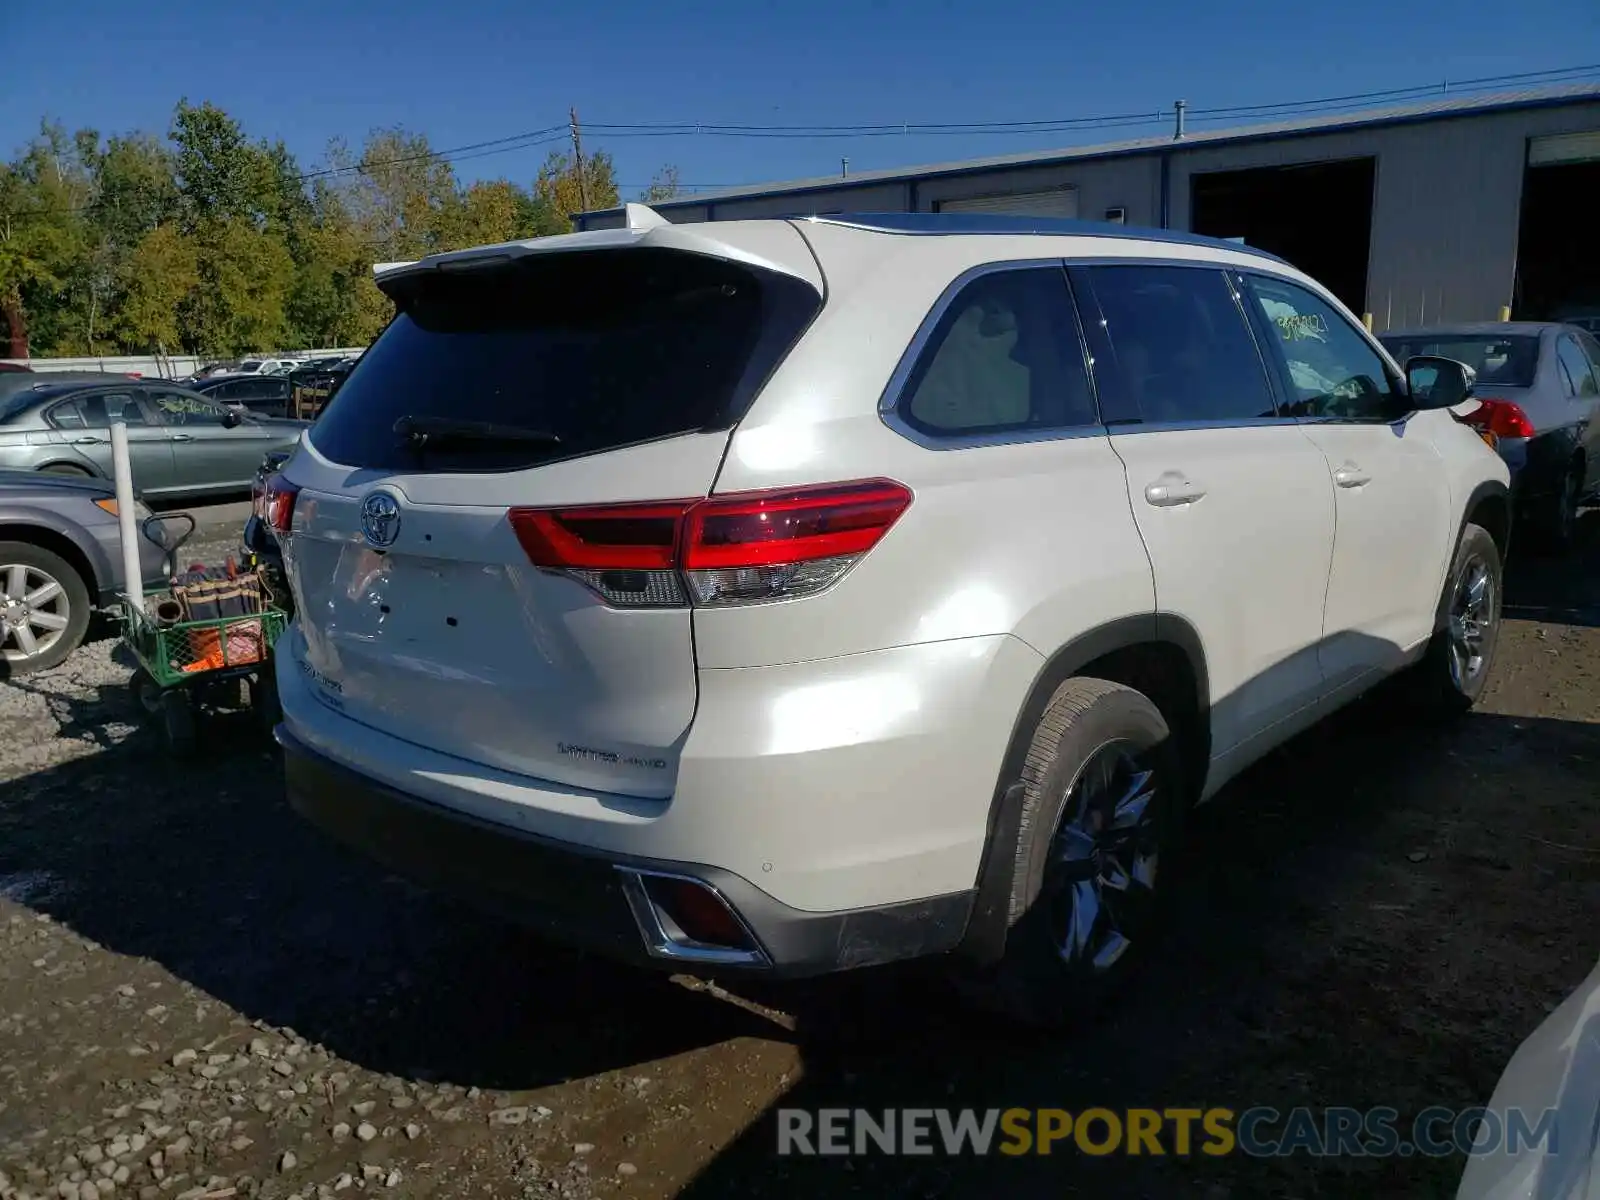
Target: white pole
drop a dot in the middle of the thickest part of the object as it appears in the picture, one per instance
(122, 473)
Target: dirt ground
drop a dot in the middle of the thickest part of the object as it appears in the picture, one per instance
(199, 996)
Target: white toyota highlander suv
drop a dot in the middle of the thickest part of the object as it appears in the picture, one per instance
(793, 595)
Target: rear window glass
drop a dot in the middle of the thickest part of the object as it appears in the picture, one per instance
(1500, 360)
(600, 349)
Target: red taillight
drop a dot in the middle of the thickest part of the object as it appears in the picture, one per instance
(611, 537)
(763, 529)
(278, 503)
(1503, 418)
(730, 549)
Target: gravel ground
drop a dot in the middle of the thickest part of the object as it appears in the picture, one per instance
(200, 998)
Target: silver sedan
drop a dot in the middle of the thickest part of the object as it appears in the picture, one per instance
(61, 557)
(180, 443)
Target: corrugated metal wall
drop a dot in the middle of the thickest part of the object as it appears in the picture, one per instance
(1445, 214)
(1447, 200)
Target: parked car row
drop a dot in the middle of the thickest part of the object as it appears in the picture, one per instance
(181, 443)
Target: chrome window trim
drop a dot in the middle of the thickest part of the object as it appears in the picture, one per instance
(1127, 428)
(889, 401)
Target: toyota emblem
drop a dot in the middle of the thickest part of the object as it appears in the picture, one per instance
(380, 519)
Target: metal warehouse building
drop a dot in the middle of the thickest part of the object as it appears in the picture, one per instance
(1442, 211)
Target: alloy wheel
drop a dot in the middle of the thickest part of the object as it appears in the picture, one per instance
(1100, 881)
(34, 611)
(1472, 619)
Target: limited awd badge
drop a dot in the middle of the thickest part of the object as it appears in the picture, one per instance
(380, 519)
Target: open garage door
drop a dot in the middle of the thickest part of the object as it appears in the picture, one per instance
(1057, 202)
(1317, 216)
(1558, 242)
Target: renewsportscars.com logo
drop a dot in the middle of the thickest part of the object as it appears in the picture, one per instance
(1259, 1132)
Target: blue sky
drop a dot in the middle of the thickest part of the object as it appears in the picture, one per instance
(474, 70)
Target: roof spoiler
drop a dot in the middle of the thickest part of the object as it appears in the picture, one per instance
(381, 269)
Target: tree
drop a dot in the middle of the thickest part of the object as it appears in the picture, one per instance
(239, 303)
(562, 187)
(158, 278)
(664, 186)
(221, 176)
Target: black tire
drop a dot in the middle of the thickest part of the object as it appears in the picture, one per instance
(1555, 530)
(264, 698)
(146, 692)
(71, 603)
(1455, 668)
(66, 469)
(1056, 969)
(178, 723)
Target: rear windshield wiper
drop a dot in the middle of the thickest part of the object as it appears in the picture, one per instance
(422, 432)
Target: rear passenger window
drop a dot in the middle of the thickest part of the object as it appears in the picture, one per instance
(1181, 349)
(1578, 369)
(97, 411)
(1004, 357)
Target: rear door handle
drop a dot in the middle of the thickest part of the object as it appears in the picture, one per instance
(181, 437)
(1171, 490)
(1351, 476)
(87, 441)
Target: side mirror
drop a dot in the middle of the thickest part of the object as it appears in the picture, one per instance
(1438, 382)
(232, 418)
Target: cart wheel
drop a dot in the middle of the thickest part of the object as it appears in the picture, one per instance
(264, 689)
(146, 692)
(177, 722)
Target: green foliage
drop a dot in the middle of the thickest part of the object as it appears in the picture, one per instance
(210, 242)
(664, 186)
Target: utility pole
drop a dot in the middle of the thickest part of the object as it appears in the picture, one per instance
(577, 154)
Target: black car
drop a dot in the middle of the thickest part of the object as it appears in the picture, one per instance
(261, 395)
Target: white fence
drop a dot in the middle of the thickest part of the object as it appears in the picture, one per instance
(178, 366)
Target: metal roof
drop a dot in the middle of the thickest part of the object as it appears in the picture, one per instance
(1395, 115)
(998, 223)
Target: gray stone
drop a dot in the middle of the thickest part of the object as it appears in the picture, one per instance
(341, 1131)
(508, 1116)
(364, 1109)
(413, 1131)
(184, 1057)
(88, 1191)
(288, 1162)
(627, 1169)
(393, 1179)
(366, 1131)
(583, 1148)
(283, 1068)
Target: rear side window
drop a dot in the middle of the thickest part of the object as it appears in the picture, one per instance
(1180, 348)
(1577, 365)
(1004, 356)
(590, 351)
(1500, 360)
(98, 411)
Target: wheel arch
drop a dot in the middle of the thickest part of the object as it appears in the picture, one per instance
(77, 466)
(1160, 655)
(59, 544)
